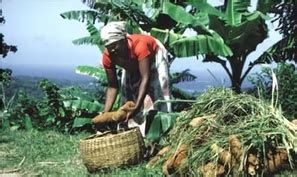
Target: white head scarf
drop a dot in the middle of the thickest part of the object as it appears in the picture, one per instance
(112, 32)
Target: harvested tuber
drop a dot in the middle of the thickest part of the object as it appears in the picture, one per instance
(294, 122)
(235, 148)
(196, 122)
(224, 154)
(276, 160)
(115, 116)
(157, 157)
(176, 161)
(212, 170)
(253, 164)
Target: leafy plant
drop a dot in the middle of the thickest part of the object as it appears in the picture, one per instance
(286, 13)
(286, 75)
(222, 33)
(25, 113)
(177, 93)
(5, 48)
(5, 108)
(5, 76)
(160, 126)
(68, 108)
(54, 111)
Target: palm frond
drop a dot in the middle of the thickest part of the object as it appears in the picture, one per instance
(183, 76)
(180, 15)
(95, 72)
(200, 44)
(203, 6)
(182, 46)
(267, 5)
(239, 37)
(85, 16)
(93, 39)
(235, 9)
(280, 51)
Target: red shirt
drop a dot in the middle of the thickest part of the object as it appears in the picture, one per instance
(140, 46)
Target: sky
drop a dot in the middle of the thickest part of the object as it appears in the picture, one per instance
(44, 39)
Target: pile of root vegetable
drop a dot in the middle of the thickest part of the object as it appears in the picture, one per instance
(225, 133)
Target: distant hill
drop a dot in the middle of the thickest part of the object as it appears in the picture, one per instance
(28, 78)
(30, 84)
(205, 80)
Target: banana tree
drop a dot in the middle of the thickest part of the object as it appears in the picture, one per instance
(225, 35)
(152, 21)
(286, 48)
(234, 30)
(242, 31)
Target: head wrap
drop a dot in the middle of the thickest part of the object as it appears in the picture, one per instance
(112, 32)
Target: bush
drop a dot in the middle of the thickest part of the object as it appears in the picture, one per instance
(286, 75)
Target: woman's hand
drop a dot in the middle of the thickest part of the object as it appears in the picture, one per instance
(131, 114)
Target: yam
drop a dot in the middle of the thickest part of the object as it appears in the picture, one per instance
(176, 161)
(253, 164)
(212, 170)
(294, 122)
(157, 157)
(276, 160)
(235, 148)
(114, 116)
(224, 154)
(196, 122)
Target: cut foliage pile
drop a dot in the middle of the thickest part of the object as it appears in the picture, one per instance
(225, 133)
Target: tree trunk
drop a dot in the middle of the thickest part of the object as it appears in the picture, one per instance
(236, 64)
(236, 85)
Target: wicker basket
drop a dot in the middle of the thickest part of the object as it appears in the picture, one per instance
(112, 150)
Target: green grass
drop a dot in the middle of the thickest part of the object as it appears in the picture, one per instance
(49, 153)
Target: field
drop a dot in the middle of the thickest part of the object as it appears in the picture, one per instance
(49, 153)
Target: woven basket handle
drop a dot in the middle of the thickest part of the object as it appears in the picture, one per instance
(120, 130)
(99, 135)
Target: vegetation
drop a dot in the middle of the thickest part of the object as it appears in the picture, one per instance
(4, 50)
(286, 48)
(222, 33)
(42, 120)
(50, 153)
(53, 153)
(286, 76)
(235, 132)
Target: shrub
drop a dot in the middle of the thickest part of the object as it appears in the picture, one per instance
(286, 75)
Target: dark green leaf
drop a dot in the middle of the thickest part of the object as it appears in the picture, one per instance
(28, 123)
(80, 122)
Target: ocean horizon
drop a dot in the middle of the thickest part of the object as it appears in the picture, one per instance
(204, 80)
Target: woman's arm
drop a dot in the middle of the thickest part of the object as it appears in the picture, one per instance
(144, 69)
(112, 89)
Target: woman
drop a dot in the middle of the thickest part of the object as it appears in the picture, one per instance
(145, 76)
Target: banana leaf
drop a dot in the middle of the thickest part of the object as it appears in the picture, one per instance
(85, 16)
(90, 107)
(194, 45)
(203, 6)
(200, 44)
(95, 72)
(180, 15)
(183, 76)
(161, 124)
(28, 122)
(81, 121)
